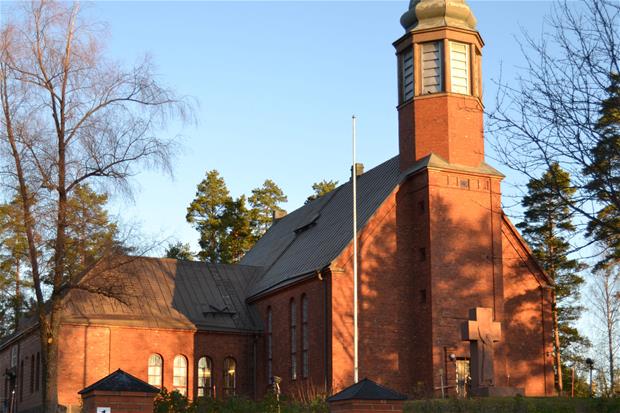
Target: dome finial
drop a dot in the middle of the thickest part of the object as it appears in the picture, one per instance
(428, 14)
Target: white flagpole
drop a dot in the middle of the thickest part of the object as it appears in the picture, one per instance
(355, 330)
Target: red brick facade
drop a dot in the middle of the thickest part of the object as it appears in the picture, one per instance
(118, 402)
(436, 247)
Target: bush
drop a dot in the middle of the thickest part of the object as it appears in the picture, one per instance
(174, 402)
(514, 405)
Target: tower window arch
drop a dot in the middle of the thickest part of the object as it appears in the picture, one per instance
(230, 376)
(305, 342)
(269, 344)
(205, 377)
(179, 374)
(293, 330)
(155, 370)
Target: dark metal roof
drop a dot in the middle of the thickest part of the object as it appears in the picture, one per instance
(120, 381)
(164, 292)
(367, 389)
(311, 237)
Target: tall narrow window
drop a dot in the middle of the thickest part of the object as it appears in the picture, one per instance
(269, 344)
(293, 314)
(432, 67)
(32, 374)
(179, 374)
(230, 376)
(21, 381)
(407, 75)
(459, 67)
(37, 379)
(155, 370)
(204, 377)
(305, 342)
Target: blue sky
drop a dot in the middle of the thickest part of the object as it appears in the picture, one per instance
(276, 85)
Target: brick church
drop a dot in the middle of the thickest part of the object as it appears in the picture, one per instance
(434, 246)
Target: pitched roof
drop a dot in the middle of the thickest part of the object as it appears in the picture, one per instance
(165, 293)
(367, 389)
(311, 237)
(120, 381)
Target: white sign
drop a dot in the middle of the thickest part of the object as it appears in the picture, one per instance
(104, 410)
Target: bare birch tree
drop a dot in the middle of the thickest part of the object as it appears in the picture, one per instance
(551, 113)
(70, 117)
(605, 307)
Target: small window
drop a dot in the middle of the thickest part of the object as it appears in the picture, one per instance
(205, 382)
(179, 374)
(293, 315)
(432, 67)
(269, 344)
(305, 342)
(230, 376)
(155, 370)
(459, 67)
(407, 75)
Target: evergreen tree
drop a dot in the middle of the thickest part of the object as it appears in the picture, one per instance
(13, 255)
(264, 202)
(180, 251)
(547, 226)
(227, 227)
(90, 233)
(321, 188)
(604, 176)
(205, 213)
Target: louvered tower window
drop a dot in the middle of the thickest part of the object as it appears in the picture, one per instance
(407, 75)
(459, 67)
(432, 69)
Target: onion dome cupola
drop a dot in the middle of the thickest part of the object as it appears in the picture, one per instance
(439, 85)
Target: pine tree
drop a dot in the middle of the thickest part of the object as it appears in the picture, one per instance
(13, 254)
(321, 188)
(604, 176)
(205, 213)
(547, 227)
(227, 227)
(180, 251)
(264, 202)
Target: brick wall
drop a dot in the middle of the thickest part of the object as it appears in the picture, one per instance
(365, 406)
(315, 291)
(118, 402)
(27, 384)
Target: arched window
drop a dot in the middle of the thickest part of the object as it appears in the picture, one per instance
(230, 376)
(304, 337)
(32, 374)
(155, 370)
(269, 344)
(179, 374)
(37, 379)
(293, 315)
(204, 377)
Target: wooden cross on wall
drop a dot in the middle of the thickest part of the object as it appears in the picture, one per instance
(481, 332)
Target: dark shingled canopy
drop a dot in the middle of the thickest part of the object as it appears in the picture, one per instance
(120, 381)
(367, 389)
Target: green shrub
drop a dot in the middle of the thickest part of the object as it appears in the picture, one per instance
(514, 405)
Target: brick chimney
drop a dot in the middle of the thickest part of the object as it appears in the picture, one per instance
(440, 94)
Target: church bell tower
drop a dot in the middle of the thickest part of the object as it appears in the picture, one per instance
(439, 84)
